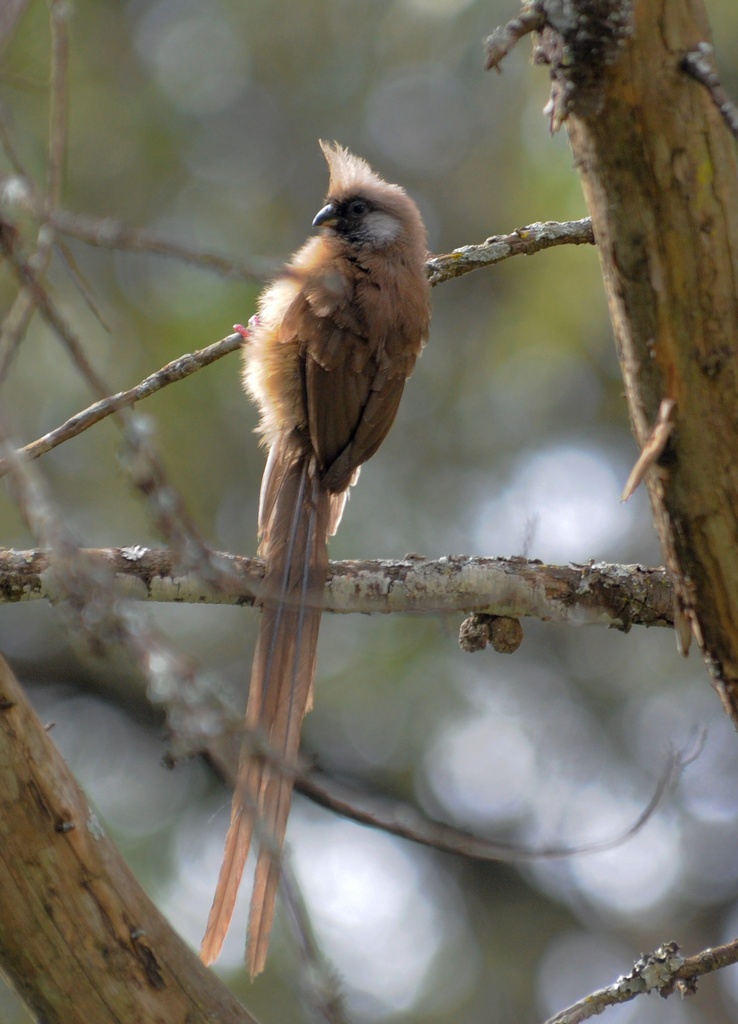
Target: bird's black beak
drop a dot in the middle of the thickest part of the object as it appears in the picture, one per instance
(327, 217)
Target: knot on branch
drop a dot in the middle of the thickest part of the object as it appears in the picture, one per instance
(500, 632)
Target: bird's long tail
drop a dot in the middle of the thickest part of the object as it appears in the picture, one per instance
(294, 519)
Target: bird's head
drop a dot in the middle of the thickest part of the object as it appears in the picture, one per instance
(363, 211)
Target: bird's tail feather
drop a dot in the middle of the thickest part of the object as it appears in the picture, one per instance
(296, 512)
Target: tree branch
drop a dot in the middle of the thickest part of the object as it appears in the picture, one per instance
(109, 233)
(113, 234)
(663, 971)
(400, 818)
(501, 41)
(524, 241)
(176, 370)
(617, 596)
(78, 936)
(666, 221)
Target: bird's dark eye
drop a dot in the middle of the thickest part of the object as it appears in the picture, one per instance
(357, 208)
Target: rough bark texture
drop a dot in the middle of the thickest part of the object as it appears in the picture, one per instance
(79, 939)
(617, 596)
(659, 173)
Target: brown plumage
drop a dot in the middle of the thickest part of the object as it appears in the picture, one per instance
(333, 343)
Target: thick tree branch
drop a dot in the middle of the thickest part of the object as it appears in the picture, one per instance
(617, 596)
(78, 937)
(660, 176)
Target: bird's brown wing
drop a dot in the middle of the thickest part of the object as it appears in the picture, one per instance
(346, 437)
(352, 385)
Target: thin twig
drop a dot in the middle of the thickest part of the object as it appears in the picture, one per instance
(408, 822)
(663, 971)
(81, 284)
(141, 462)
(11, 154)
(13, 329)
(320, 984)
(109, 233)
(112, 234)
(699, 64)
(523, 242)
(654, 447)
(31, 280)
(59, 13)
(168, 508)
(501, 41)
(11, 12)
(81, 587)
(176, 370)
(16, 323)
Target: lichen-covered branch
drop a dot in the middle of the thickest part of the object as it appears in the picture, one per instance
(524, 241)
(664, 971)
(617, 596)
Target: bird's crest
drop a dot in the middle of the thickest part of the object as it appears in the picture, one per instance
(350, 174)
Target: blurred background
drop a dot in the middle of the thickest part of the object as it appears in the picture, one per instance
(200, 122)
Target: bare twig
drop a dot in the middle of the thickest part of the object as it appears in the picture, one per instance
(81, 587)
(59, 13)
(169, 510)
(11, 12)
(178, 369)
(113, 234)
(6, 141)
(14, 327)
(30, 280)
(523, 242)
(500, 42)
(653, 448)
(699, 64)
(320, 984)
(694, 967)
(402, 819)
(16, 323)
(108, 233)
(408, 822)
(141, 462)
(82, 285)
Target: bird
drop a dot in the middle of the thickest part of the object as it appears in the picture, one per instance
(334, 339)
